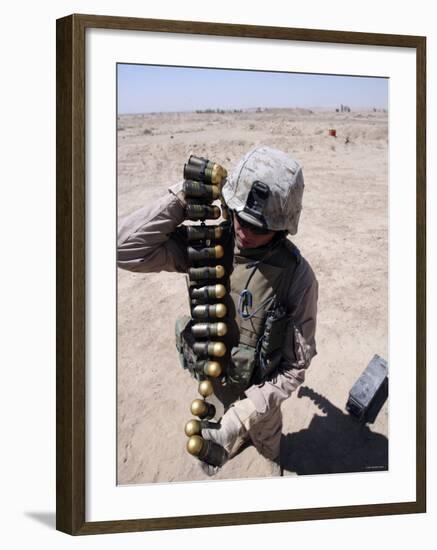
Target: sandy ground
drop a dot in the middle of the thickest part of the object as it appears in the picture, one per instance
(344, 235)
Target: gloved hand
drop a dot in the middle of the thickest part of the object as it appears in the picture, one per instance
(177, 190)
(234, 426)
(181, 196)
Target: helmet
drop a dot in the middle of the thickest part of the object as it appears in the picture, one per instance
(265, 189)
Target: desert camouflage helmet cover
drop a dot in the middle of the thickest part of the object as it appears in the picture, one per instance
(282, 174)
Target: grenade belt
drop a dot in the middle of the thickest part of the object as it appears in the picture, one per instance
(208, 286)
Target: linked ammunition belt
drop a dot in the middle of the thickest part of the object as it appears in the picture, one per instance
(208, 284)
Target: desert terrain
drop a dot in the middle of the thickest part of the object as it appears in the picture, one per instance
(343, 233)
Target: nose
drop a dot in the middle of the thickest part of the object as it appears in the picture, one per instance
(245, 234)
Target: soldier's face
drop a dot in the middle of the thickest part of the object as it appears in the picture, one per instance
(246, 238)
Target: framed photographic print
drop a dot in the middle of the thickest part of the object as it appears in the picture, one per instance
(240, 274)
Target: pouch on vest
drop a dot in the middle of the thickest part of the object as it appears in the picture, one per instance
(184, 345)
(241, 366)
(269, 346)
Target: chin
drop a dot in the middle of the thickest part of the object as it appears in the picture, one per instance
(245, 245)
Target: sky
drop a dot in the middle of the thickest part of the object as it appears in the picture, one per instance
(148, 88)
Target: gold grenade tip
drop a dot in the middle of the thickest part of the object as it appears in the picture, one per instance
(219, 251)
(194, 445)
(216, 192)
(205, 388)
(215, 212)
(218, 174)
(213, 369)
(198, 407)
(218, 232)
(222, 329)
(219, 271)
(220, 310)
(219, 349)
(192, 427)
(220, 291)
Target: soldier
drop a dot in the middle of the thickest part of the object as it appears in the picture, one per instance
(272, 304)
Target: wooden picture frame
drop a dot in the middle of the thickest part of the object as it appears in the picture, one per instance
(71, 253)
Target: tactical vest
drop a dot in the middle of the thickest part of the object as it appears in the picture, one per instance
(267, 280)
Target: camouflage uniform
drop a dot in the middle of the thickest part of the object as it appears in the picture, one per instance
(148, 242)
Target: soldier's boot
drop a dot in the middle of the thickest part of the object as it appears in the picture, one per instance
(234, 427)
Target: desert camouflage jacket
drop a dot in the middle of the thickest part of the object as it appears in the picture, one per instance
(147, 242)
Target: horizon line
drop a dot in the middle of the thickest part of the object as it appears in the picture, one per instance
(230, 110)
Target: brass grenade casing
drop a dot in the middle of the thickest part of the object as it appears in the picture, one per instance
(206, 388)
(195, 445)
(202, 212)
(202, 409)
(218, 174)
(207, 450)
(213, 349)
(197, 169)
(197, 161)
(198, 407)
(205, 311)
(219, 291)
(205, 273)
(211, 253)
(213, 369)
(219, 251)
(193, 427)
(201, 169)
(196, 233)
(204, 330)
(216, 349)
(203, 185)
(213, 292)
(198, 190)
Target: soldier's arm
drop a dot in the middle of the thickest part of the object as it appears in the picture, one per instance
(299, 346)
(147, 238)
